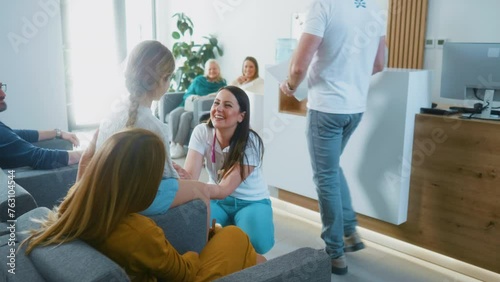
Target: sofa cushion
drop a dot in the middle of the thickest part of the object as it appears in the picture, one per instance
(59, 144)
(185, 226)
(72, 261)
(48, 187)
(20, 268)
(305, 264)
(23, 200)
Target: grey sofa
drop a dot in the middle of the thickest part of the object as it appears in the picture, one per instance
(184, 226)
(171, 100)
(20, 200)
(48, 187)
(77, 261)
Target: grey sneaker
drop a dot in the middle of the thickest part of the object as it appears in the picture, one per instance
(353, 243)
(339, 265)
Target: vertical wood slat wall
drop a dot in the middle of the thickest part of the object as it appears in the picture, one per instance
(406, 33)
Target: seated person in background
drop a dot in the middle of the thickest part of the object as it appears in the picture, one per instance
(233, 156)
(121, 179)
(147, 77)
(179, 119)
(250, 80)
(17, 150)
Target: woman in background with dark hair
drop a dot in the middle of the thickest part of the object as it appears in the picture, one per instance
(249, 79)
(233, 156)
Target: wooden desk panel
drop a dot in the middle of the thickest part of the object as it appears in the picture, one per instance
(454, 206)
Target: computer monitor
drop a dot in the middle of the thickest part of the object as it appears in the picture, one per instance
(471, 71)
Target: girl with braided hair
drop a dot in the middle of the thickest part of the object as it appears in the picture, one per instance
(147, 76)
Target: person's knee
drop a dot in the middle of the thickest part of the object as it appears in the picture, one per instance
(233, 232)
(263, 244)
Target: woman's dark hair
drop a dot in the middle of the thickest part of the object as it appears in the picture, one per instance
(240, 139)
(254, 61)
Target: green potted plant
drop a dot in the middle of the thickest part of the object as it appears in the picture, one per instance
(193, 56)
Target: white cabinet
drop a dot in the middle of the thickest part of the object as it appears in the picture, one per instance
(377, 159)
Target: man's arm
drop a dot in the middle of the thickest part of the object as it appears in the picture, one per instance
(379, 63)
(51, 134)
(301, 59)
(15, 151)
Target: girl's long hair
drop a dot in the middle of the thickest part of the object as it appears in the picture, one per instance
(240, 139)
(122, 178)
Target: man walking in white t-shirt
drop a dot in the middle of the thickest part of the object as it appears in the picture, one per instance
(343, 44)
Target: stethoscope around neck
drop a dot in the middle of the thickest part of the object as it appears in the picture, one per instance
(220, 172)
(213, 146)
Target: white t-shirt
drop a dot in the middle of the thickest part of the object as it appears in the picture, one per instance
(254, 187)
(340, 71)
(117, 120)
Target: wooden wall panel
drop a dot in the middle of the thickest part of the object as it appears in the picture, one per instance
(406, 33)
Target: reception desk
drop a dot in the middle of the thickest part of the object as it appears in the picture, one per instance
(431, 181)
(454, 206)
(454, 185)
(376, 161)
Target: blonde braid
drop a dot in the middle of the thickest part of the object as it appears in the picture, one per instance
(132, 111)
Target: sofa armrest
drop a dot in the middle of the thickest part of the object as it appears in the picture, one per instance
(23, 200)
(59, 144)
(72, 261)
(201, 106)
(21, 270)
(185, 226)
(168, 102)
(47, 187)
(304, 264)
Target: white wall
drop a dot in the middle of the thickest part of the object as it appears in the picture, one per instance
(35, 75)
(251, 27)
(458, 21)
(244, 27)
(33, 65)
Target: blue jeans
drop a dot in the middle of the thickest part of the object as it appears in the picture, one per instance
(255, 218)
(327, 136)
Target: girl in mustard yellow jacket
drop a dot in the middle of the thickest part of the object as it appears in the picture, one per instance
(113, 185)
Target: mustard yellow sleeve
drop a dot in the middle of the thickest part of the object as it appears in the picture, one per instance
(158, 257)
(140, 247)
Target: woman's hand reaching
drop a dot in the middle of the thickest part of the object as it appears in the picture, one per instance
(183, 174)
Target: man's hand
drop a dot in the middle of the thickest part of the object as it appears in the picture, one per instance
(71, 137)
(285, 88)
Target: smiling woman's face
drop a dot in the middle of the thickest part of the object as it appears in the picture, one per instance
(213, 71)
(225, 111)
(249, 69)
